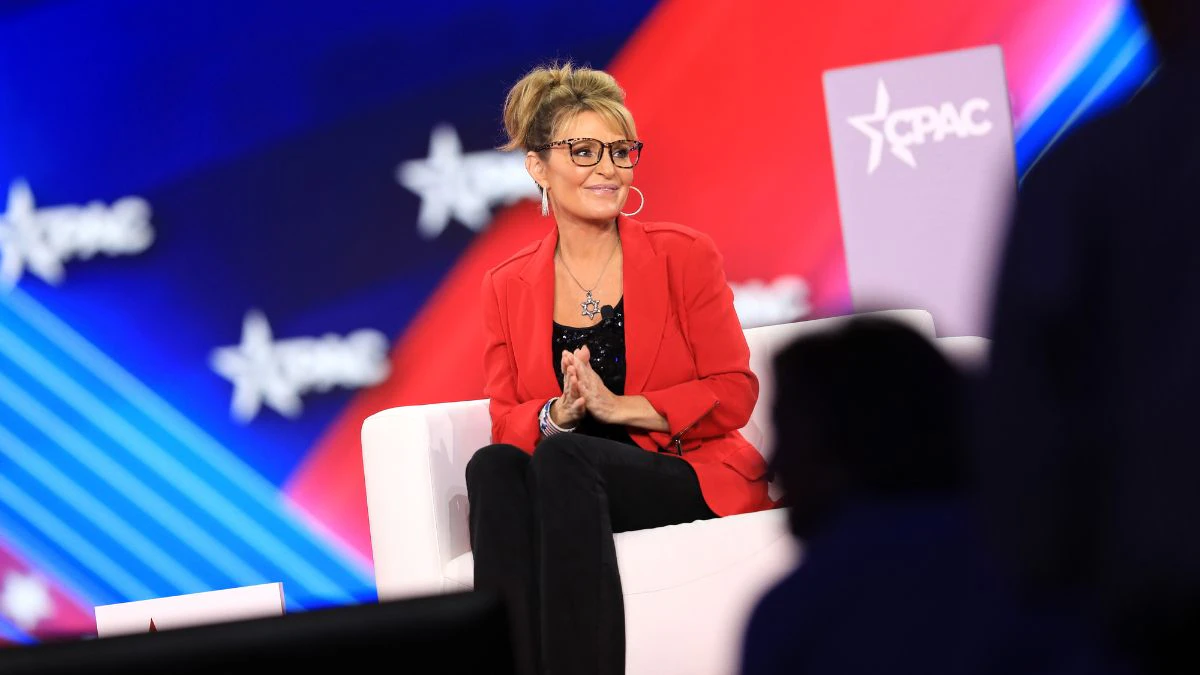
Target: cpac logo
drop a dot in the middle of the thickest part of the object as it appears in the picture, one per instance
(765, 304)
(276, 373)
(41, 240)
(464, 186)
(907, 127)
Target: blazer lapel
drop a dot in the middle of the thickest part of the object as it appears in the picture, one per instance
(532, 312)
(647, 303)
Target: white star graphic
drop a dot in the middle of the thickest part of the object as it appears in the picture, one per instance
(23, 242)
(864, 123)
(258, 376)
(463, 186)
(25, 600)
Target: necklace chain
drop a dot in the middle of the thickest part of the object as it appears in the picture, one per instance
(602, 270)
(590, 307)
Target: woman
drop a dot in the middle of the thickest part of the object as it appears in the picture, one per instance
(618, 376)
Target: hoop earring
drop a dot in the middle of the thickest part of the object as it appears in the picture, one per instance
(640, 206)
(545, 202)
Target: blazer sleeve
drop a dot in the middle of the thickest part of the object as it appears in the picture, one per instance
(513, 421)
(723, 396)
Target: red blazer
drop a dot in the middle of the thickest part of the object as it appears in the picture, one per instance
(684, 347)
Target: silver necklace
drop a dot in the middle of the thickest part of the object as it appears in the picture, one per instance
(590, 307)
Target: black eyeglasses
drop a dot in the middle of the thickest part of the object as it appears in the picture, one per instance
(589, 151)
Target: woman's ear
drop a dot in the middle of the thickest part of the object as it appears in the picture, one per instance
(536, 168)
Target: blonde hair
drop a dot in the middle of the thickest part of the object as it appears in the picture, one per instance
(549, 96)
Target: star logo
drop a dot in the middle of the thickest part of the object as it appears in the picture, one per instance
(25, 600)
(23, 241)
(41, 240)
(463, 186)
(256, 372)
(865, 124)
(275, 373)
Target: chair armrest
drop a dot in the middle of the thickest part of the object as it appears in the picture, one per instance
(414, 463)
(967, 352)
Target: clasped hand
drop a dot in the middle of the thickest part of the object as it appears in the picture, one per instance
(583, 392)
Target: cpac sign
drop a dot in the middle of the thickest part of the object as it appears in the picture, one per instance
(276, 373)
(42, 239)
(924, 237)
(907, 127)
(782, 300)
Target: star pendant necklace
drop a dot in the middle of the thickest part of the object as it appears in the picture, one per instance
(590, 307)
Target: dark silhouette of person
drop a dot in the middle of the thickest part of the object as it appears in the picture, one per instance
(1088, 460)
(871, 449)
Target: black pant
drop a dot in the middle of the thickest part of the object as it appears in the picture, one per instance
(541, 534)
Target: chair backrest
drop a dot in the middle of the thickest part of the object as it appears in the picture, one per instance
(765, 341)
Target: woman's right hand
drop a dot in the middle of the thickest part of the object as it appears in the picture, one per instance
(570, 407)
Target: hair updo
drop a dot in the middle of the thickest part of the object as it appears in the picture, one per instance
(548, 96)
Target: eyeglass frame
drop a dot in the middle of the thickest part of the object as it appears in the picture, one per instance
(569, 142)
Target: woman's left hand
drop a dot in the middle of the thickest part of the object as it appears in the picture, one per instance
(601, 403)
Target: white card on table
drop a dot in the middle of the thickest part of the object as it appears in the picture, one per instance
(180, 611)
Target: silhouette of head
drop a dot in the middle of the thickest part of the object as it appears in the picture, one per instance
(870, 410)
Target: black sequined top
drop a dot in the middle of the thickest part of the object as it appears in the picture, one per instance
(606, 343)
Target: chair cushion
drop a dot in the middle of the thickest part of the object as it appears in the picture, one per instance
(666, 557)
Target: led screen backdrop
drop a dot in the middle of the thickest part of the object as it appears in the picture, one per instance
(232, 230)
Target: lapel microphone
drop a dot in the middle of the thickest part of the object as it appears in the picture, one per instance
(606, 311)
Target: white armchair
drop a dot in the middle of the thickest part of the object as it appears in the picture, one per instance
(688, 588)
